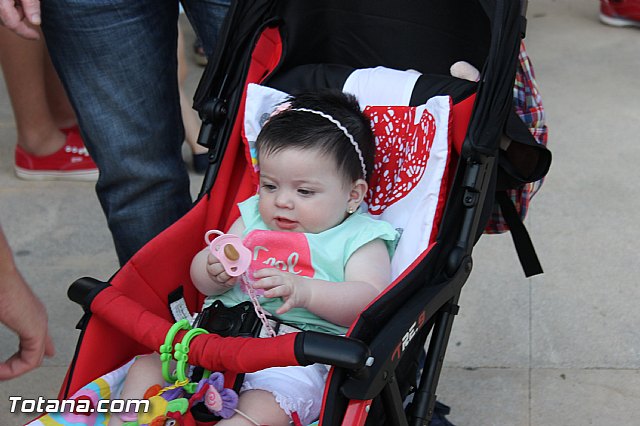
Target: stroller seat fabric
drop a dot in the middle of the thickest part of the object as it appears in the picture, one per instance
(413, 151)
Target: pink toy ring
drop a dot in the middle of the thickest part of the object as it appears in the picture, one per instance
(230, 251)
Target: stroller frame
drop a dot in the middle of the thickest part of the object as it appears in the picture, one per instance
(422, 303)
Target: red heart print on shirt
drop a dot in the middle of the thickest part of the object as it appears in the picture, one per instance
(402, 152)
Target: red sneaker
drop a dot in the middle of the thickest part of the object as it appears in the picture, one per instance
(71, 162)
(620, 13)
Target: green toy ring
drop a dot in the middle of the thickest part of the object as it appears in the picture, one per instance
(181, 355)
(167, 348)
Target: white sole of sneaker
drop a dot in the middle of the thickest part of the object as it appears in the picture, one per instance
(44, 175)
(618, 22)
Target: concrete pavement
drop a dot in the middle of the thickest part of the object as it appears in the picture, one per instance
(558, 349)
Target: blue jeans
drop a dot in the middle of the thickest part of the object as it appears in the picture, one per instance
(117, 61)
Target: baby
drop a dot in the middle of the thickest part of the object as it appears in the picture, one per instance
(317, 260)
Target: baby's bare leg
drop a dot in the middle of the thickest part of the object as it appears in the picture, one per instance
(261, 406)
(145, 372)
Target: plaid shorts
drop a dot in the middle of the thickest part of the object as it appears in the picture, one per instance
(528, 106)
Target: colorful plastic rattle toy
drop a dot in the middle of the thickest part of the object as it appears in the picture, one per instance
(228, 248)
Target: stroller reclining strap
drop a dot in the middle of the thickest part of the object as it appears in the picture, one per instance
(178, 306)
(521, 239)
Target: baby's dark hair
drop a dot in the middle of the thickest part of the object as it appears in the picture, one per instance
(306, 130)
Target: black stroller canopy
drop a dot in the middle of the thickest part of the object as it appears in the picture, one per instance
(427, 36)
(362, 34)
(358, 33)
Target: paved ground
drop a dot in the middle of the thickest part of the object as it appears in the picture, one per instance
(559, 349)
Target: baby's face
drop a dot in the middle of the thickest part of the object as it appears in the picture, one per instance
(302, 191)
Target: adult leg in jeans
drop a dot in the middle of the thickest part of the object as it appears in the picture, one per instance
(117, 60)
(206, 17)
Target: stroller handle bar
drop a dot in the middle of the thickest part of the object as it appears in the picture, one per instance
(237, 354)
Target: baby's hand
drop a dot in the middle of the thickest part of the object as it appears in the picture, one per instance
(293, 289)
(218, 274)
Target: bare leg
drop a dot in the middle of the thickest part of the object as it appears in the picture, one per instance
(59, 104)
(190, 119)
(23, 64)
(261, 406)
(145, 372)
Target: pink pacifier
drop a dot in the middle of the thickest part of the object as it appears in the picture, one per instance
(228, 248)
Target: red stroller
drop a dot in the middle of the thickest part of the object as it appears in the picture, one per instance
(380, 373)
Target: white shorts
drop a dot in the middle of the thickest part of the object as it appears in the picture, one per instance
(298, 389)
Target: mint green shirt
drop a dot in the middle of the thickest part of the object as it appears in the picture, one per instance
(321, 256)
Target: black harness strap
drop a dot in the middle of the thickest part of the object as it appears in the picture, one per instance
(521, 239)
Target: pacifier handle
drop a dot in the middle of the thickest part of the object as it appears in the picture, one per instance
(207, 235)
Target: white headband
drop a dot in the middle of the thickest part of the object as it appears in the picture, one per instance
(344, 130)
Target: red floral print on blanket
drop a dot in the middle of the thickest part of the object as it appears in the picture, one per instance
(402, 152)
